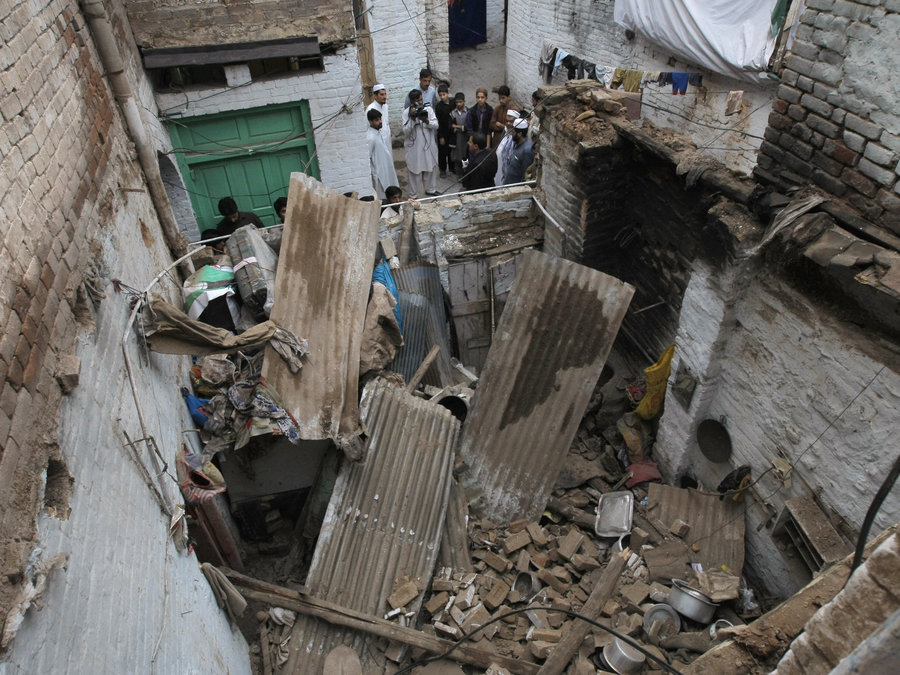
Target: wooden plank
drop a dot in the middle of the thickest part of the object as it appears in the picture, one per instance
(254, 589)
(422, 369)
(561, 655)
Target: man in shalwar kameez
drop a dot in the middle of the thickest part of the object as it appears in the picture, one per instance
(381, 161)
(419, 125)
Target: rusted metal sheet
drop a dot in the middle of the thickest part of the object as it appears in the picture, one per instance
(384, 519)
(717, 526)
(321, 291)
(424, 324)
(550, 345)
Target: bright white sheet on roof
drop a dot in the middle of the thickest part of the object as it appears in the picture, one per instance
(732, 37)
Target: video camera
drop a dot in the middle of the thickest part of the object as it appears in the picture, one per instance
(419, 112)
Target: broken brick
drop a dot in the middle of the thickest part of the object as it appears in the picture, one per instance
(517, 526)
(680, 528)
(443, 585)
(497, 595)
(475, 618)
(495, 561)
(437, 602)
(403, 594)
(584, 563)
(639, 537)
(537, 533)
(540, 650)
(524, 561)
(635, 593)
(569, 545)
(544, 635)
(551, 580)
(516, 541)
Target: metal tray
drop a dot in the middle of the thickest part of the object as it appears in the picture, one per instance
(615, 511)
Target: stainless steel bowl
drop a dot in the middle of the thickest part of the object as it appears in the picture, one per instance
(690, 602)
(622, 657)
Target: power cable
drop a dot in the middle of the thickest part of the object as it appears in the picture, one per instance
(880, 496)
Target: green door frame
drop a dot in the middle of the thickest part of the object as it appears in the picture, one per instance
(248, 154)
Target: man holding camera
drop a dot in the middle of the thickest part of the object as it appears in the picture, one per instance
(419, 125)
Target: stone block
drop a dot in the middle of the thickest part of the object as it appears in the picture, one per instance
(404, 592)
(552, 580)
(823, 126)
(829, 73)
(544, 635)
(799, 64)
(880, 155)
(516, 541)
(679, 528)
(569, 545)
(495, 561)
(789, 94)
(497, 595)
(537, 533)
(789, 76)
(68, 372)
(437, 602)
(826, 163)
(540, 650)
(829, 183)
(797, 112)
(807, 50)
(805, 83)
(839, 152)
(863, 127)
(823, 5)
(816, 105)
(877, 173)
(635, 593)
(850, 10)
(779, 121)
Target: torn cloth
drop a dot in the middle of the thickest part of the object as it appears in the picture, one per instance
(168, 330)
(227, 596)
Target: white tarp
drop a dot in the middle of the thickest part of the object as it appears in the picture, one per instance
(732, 37)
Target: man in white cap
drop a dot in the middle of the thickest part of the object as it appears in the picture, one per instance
(522, 154)
(380, 104)
(504, 148)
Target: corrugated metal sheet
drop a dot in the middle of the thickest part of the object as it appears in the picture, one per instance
(321, 291)
(422, 301)
(551, 343)
(384, 519)
(717, 526)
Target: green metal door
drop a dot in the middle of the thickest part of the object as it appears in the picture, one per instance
(248, 154)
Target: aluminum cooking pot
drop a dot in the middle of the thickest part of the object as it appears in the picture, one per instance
(690, 602)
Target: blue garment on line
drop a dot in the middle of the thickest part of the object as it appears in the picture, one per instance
(680, 82)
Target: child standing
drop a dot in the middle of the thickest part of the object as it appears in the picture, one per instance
(460, 149)
(442, 110)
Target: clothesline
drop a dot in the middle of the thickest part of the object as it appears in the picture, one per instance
(612, 77)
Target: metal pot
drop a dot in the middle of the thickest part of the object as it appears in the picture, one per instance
(690, 602)
(622, 657)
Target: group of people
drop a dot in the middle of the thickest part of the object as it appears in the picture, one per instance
(485, 146)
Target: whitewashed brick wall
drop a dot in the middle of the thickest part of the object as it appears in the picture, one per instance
(495, 22)
(340, 140)
(779, 371)
(400, 52)
(586, 29)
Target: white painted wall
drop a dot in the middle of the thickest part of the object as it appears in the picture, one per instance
(125, 587)
(586, 29)
(779, 371)
(496, 17)
(400, 48)
(340, 137)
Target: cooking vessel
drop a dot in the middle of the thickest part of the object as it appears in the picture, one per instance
(622, 657)
(690, 602)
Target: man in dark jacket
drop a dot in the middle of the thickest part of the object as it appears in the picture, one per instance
(482, 166)
(232, 218)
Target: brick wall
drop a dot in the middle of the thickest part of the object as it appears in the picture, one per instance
(76, 213)
(340, 137)
(769, 344)
(496, 18)
(400, 51)
(835, 122)
(586, 29)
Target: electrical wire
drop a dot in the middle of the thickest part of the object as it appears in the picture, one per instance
(874, 507)
(567, 612)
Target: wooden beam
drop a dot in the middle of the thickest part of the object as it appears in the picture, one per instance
(254, 589)
(561, 655)
(420, 372)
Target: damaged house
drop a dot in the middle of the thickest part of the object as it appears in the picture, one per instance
(634, 415)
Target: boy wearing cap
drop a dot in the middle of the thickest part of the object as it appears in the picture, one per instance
(380, 104)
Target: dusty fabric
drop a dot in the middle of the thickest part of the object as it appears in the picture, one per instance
(227, 596)
(168, 330)
(381, 333)
(37, 576)
(259, 409)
